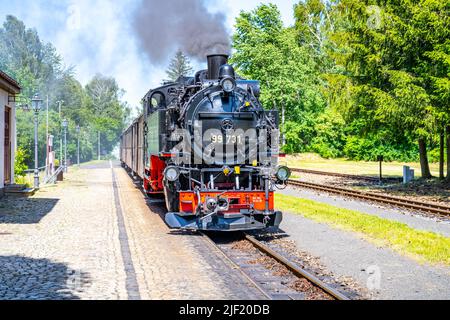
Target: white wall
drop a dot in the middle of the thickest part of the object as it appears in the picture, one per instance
(3, 103)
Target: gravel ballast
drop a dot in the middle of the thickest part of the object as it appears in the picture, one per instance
(386, 274)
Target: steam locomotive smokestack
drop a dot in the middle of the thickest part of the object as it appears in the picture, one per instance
(215, 61)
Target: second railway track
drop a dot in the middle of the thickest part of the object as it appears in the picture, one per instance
(344, 175)
(379, 198)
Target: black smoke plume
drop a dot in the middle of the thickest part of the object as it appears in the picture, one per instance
(163, 26)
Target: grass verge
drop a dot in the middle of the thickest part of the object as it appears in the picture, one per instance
(420, 245)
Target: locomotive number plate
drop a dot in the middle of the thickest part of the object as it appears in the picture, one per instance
(231, 139)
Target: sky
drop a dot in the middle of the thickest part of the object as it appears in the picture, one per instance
(97, 36)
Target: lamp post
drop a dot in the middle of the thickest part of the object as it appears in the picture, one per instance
(65, 123)
(36, 102)
(60, 103)
(78, 145)
(99, 156)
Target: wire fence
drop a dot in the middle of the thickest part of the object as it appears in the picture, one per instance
(28, 179)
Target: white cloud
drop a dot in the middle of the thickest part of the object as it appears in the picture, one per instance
(96, 36)
(101, 43)
(234, 7)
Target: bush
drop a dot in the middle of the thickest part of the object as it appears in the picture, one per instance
(368, 149)
(318, 133)
(20, 162)
(297, 136)
(324, 148)
(434, 155)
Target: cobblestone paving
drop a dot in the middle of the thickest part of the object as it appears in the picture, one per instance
(67, 243)
(62, 243)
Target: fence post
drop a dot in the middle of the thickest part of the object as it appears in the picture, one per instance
(408, 174)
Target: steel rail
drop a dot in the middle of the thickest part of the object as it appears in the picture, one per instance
(385, 199)
(301, 273)
(342, 175)
(296, 270)
(235, 265)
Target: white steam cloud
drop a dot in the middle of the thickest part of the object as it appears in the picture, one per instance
(163, 26)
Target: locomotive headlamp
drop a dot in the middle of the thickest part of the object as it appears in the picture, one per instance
(228, 84)
(172, 174)
(211, 204)
(223, 204)
(283, 173)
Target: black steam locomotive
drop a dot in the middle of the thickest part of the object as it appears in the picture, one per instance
(208, 145)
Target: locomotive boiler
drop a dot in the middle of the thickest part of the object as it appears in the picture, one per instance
(207, 144)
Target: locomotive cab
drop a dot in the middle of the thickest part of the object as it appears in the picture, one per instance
(212, 150)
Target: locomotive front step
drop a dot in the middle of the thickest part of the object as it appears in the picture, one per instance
(238, 222)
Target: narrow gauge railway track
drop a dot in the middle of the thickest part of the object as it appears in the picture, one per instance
(284, 262)
(384, 199)
(344, 175)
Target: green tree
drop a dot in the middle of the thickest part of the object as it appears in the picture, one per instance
(290, 76)
(384, 49)
(38, 68)
(180, 66)
(35, 64)
(105, 111)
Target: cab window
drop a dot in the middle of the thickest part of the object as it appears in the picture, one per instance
(157, 101)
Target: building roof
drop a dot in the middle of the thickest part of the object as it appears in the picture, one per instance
(9, 84)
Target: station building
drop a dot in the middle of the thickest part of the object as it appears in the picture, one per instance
(9, 88)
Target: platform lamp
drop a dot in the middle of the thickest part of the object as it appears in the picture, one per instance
(65, 124)
(78, 144)
(36, 103)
